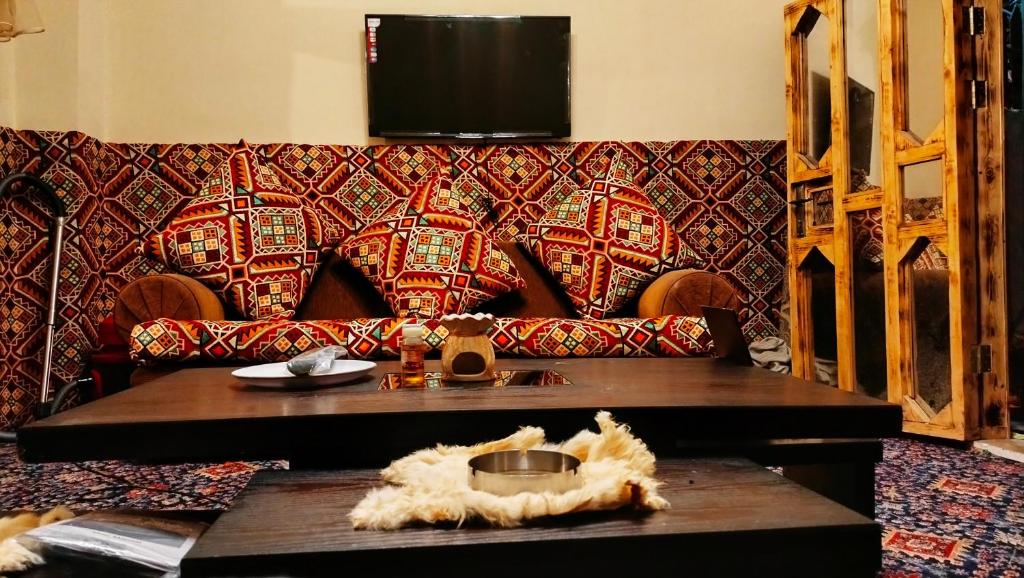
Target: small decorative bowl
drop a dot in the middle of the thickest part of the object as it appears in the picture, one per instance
(511, 472)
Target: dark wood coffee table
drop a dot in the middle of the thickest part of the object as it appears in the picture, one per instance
(680, 407)
(729, 517)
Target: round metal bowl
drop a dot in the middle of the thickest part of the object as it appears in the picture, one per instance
(515, 471)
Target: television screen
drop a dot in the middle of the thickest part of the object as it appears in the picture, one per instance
(467, 76)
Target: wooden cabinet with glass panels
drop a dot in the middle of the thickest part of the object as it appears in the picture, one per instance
(896, 240)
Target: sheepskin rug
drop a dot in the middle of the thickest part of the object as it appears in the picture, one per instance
(432, 485)
(13, 556)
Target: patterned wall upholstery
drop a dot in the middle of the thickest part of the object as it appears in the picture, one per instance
(65, 161)
(726, 198)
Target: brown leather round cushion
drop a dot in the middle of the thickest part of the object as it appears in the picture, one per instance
(683, 293)
(172, 296)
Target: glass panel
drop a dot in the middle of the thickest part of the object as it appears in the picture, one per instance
(922, 191)
(822, 275)
(930, 275)
(818, 82)
(863, 85)
(821, 206)
(925, 90)
(869, 302)
(1013, 18)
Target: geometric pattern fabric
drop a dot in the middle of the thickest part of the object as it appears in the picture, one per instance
(428, 256)
(25, 260)
(123, 193)
(261, 340)
(606, 242)
(868, 248)
(170, 340)
(245, 236)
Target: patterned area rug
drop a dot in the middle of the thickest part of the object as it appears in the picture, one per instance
(945, 512)
(85, 486)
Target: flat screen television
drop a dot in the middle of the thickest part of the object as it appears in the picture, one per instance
(472, 77)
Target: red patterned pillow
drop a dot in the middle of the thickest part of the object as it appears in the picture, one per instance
(606, 242)
(247, 237)
(429, 256)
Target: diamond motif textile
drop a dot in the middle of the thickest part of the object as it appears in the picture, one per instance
(430, 257)
(171, 340)
(247, 237)
(606, 242)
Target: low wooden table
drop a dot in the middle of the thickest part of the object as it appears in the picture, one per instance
(729, 517)
(680, 407)
(205, 414)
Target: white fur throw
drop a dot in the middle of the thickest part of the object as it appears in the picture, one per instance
(13, 556)
(16, 558)
(432, 485)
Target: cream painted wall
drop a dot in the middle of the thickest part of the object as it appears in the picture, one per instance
(46, 70)
(925, 92)
(7, 84)
(94, 62)
(292, 70)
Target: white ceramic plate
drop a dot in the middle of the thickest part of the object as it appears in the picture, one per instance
(277, 374)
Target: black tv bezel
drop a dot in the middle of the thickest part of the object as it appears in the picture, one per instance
(563, 131)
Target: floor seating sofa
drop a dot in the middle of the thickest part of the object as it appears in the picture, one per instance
(726, 199)
(169, 319)
(599, 249)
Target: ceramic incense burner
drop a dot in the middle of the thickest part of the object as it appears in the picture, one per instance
(468, 354)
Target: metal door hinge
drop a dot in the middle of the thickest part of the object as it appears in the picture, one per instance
(979, 94)
(981, 358)
(975, 16)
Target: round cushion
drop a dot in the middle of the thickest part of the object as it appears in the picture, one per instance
(684, 292)
(172, 296)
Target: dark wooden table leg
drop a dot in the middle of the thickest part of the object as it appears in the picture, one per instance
(851, 484)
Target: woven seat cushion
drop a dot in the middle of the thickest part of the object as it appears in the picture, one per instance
(246, 236)
(171, 340)
(429, 256)
(606, 242)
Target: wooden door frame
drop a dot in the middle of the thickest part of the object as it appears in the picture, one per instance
(991, 202)
(802, 173)
(971, 232)
(902, 149)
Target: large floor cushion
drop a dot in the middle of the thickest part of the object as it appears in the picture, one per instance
(246, 235)
(684, 293)
(606, 242)
(172, 295)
